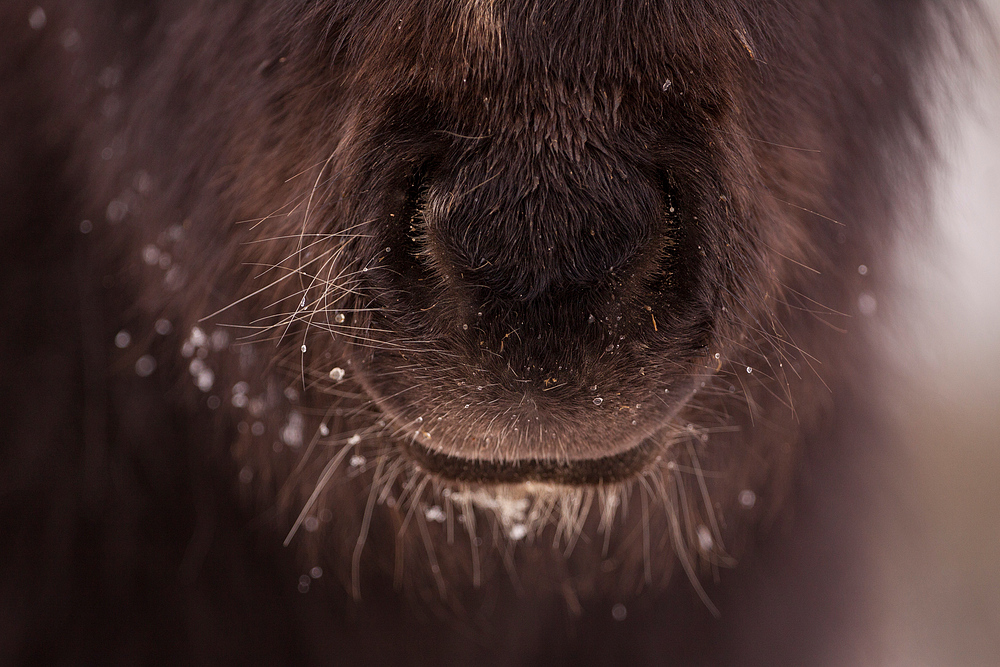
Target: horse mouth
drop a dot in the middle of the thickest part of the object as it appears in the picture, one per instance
(582, 449)
(598, 471)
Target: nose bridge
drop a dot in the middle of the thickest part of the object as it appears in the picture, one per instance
(525, 227)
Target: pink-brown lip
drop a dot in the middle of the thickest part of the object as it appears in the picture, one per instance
(578, 472)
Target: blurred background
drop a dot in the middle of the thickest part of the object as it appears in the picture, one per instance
(942, 546)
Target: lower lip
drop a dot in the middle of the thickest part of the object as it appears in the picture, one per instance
(606, 470)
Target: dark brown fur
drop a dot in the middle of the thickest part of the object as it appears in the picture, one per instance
(498, 314)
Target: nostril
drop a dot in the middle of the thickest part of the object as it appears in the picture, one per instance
(406, 224)
(676, 255)
(402, 274)
(411, 216)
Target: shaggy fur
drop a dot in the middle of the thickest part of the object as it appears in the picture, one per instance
(448, 332)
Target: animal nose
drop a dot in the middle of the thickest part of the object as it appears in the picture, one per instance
(529, 265)
(547, 241)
